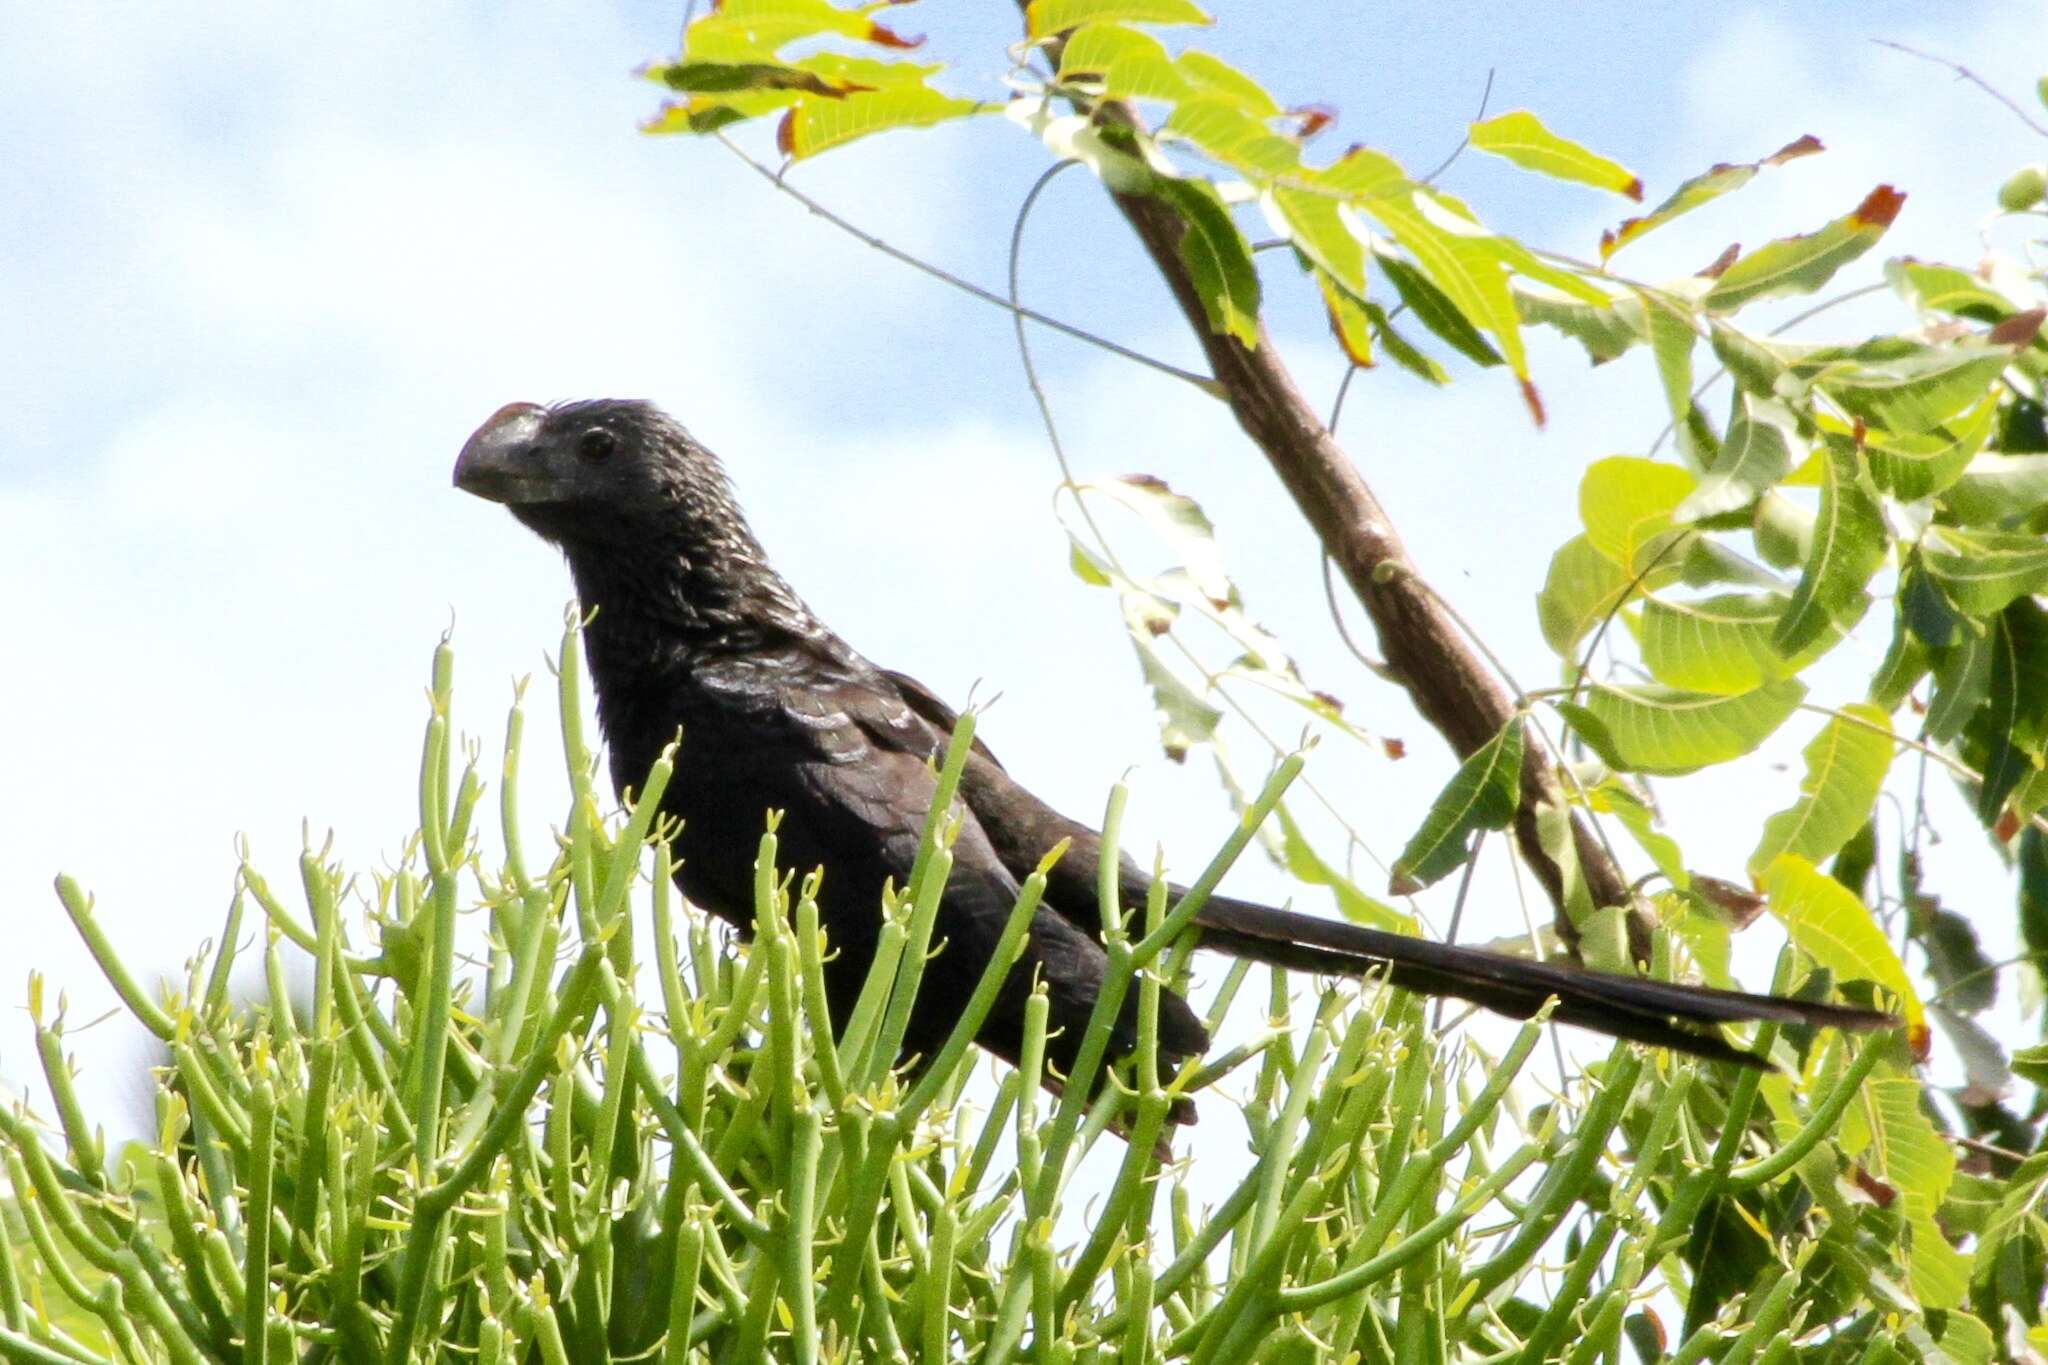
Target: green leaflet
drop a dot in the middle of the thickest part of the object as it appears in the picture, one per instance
(1437, 312)
(1457, 259)
(1920, 390)
(1350, 323)
(1831, 925)
(1848, 545)
(1043, 18)
(1613, 796)
(1935, 288)
(1626, 504)
(1520, 137)
(1899, 1144)
(1581, 589)
(1123, 62)
(2022, 1195)
(1672, 336)
(1185, 720)
(1605, 330)
(1403, 352)
(1218, 258)
(1704, 188)
(1760, 448)
(2014, 723)
(1482, 794)
(816, 125)
(1993, 487)
(1982, 571)
(1922, 463)
(1722, 643)
(1655, 729)
(1845, 767)
(1800, 265)
(1316, 226)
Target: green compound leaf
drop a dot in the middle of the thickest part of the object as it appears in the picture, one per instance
(1831, 925)
(1946, 289)
(1983, 571)
(1626, 504)
(1482, 794)
(1921, 390)
(1847, 545)
(1225, 129)
(1582, 588)
(1845, 767)
(1404, 352)
(1437, 312)
(1218, 258)
(1043, 18)
(1762, 444)
(1721, 644)
(816, 125)
(1605, 330)
(1315, 224)
(1995, 487)
(1350, 322)
(1520, 137)
(1701, 189)
(1125, 63)
(1655, 729)
(1898, 1143)
(1458, 261)
(1800, 265)
(1921, 463)
(2014, 725)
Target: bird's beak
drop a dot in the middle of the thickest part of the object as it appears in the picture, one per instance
(499, 462)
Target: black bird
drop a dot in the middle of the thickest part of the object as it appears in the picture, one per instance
(694, 630)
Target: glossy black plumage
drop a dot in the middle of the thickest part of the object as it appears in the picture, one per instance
(695, 631)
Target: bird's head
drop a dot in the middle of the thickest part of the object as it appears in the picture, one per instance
(598, 474)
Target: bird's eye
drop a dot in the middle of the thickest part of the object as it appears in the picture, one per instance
(596, 445)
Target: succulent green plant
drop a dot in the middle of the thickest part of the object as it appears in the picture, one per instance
(572, 1144)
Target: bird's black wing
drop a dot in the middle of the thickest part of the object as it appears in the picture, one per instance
(861, 788)
(1020, 827)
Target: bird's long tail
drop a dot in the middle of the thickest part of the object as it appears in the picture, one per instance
(1637, 1008)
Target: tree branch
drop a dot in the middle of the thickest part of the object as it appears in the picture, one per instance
(1424, 650)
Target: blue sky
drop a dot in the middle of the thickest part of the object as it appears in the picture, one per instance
(262, 271)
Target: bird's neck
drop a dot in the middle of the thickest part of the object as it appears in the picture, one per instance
(678, 612)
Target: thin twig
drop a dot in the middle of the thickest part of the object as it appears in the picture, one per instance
(1964, 73)
(1990, 969)
(1052, 434)
(1377, 667)
(1979, 1145)
(1458, 911)
(966, 286)
(1465, 141)
(1585, 665)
